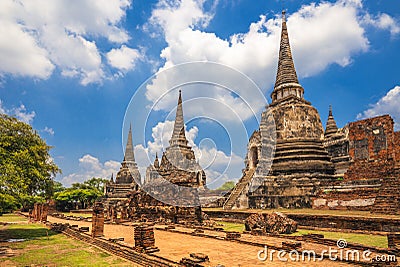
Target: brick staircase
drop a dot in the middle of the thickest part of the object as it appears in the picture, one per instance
(388, 199)
(240, 186)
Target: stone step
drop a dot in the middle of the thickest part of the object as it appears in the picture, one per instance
(300, 151)
(300, 157)
(238, 189)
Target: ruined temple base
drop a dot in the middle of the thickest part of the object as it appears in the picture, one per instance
(289, 191)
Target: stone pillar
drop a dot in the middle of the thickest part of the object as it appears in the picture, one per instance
(44, 211)
(113, 214)
(98, 220)
(144, 238)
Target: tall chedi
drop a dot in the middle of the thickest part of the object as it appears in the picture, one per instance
(300, 164)
(128, 179)
(178, 163)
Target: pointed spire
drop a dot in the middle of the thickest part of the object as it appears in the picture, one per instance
(112, 178)
(156, 163)
(331, 127)
(178, 134)
(286, 83)
(286, 71)
(129, 154)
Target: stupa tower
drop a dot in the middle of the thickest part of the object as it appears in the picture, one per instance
(300, 163)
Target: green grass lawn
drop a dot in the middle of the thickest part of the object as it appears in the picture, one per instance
(364, 239)
(229, 226)
(12, 218)
(46, 248)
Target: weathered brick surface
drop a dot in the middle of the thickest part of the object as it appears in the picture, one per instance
(323, 221)
(394, 242)
(352, 195)
(98, 220)
(372, 148)
(397, 147)
(39, 212)
(144, 238)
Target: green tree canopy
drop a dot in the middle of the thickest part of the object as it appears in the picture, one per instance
(80, 195)
(227, 186)
(26, 167)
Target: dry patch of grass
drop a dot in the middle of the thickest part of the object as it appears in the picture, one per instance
(11, 217)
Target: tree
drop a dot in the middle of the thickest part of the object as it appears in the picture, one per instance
(26, 167)
(227, 186)
(93, 183)
(80, 195)
(7, 203)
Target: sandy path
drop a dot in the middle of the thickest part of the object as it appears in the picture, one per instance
(175, 246)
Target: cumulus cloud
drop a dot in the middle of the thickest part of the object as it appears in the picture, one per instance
(219, 166)
(123, 58)
(21, 113)
(90, 166)
(321, 35)
(383, 21)
(39, 36)
(388, 104)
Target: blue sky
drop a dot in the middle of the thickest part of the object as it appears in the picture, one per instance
(71, 68)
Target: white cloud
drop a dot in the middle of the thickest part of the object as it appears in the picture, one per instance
(48, 130)
(19, 112)
(389, 104)
(219, 167)
(383, 21)
(20, 54)
(2, 109)
(123, 58)
(23, 115)
(321, 35)
(39, 35)
(89, 167)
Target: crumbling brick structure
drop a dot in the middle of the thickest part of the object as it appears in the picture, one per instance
(170, 192)
(397, 153)
(372, 148)
(39, 212)
(394, 242)
(98, 220)
(144, 238)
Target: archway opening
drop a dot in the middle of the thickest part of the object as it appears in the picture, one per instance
(253, 157)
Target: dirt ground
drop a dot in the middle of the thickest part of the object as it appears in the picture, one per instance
(175, 246)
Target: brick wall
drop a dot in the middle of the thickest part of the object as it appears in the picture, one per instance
(397, 146)
(348, 199)
(372, 148)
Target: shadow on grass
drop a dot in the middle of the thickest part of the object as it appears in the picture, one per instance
(24, 233)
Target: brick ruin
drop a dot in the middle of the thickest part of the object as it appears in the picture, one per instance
(371, 148)
(98, 220)
(144, 238)
(394, 242)
(39, 212)
(170, 191)
(354, 167)
(287, 161)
